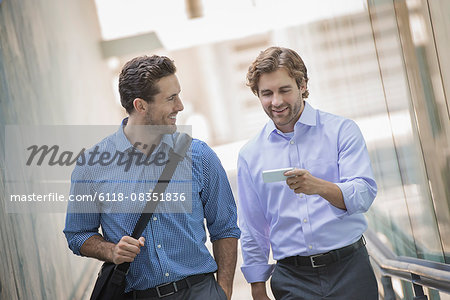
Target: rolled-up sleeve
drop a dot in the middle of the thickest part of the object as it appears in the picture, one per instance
(255, 242)
(355, 172)
(217, 198)
(82, 220)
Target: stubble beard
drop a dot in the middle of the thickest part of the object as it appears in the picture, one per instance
(293, 113)
(160, 128)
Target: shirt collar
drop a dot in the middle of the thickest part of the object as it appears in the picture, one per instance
(120, 140)
(308, 117)
(123, 144)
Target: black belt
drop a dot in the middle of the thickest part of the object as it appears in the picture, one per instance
(167, 289)
(324, 259)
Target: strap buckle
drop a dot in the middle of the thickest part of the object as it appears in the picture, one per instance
(161, 295)
(117, 269)
(313, 263)
(118, 276)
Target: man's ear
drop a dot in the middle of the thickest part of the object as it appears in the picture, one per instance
(140, 105)
(303, 86)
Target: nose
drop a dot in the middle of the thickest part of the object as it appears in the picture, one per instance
(276, 100)
(179, 105)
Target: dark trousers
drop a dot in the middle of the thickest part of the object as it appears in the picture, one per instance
(350, 278)
(207, 289)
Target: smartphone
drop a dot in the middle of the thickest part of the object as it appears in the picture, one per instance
(275, 175)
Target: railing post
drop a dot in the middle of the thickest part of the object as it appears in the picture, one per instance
(418, 289)
(389, 293)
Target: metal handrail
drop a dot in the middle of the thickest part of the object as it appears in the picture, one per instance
(419, 272)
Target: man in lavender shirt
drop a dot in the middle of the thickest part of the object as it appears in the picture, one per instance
(313, 221)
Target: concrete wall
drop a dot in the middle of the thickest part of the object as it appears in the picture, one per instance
(51, 72)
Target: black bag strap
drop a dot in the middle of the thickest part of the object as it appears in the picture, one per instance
(175, 156)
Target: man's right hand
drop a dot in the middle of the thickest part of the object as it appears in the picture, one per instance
(127, 249)
(259, 291)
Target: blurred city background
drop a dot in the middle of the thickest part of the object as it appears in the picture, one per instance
(383, 63)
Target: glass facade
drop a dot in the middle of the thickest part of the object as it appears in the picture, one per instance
(416, 210)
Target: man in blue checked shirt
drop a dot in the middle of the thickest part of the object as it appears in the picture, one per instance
(313, 220)
(171, 252)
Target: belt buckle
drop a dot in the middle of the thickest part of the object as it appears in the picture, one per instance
(169, 293)
(314, 265)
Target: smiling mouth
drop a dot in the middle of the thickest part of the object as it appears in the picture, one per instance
(278, 111)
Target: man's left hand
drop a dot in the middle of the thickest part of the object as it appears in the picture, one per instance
(301, 181)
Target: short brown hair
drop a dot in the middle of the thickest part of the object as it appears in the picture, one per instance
(272, 59)
(139, 78)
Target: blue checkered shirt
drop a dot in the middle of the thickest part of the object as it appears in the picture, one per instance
(174, 242)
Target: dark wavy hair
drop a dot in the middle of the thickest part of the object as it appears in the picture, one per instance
(272, 59)
(139, 78)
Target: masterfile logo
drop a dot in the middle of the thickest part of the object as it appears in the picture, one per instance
(92, 169)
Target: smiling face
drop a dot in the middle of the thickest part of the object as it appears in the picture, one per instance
(164, 107)
(281, 98)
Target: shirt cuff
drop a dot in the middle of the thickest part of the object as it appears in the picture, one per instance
(79, 240)
(233, 233)
(347, 190)
(259, 273)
